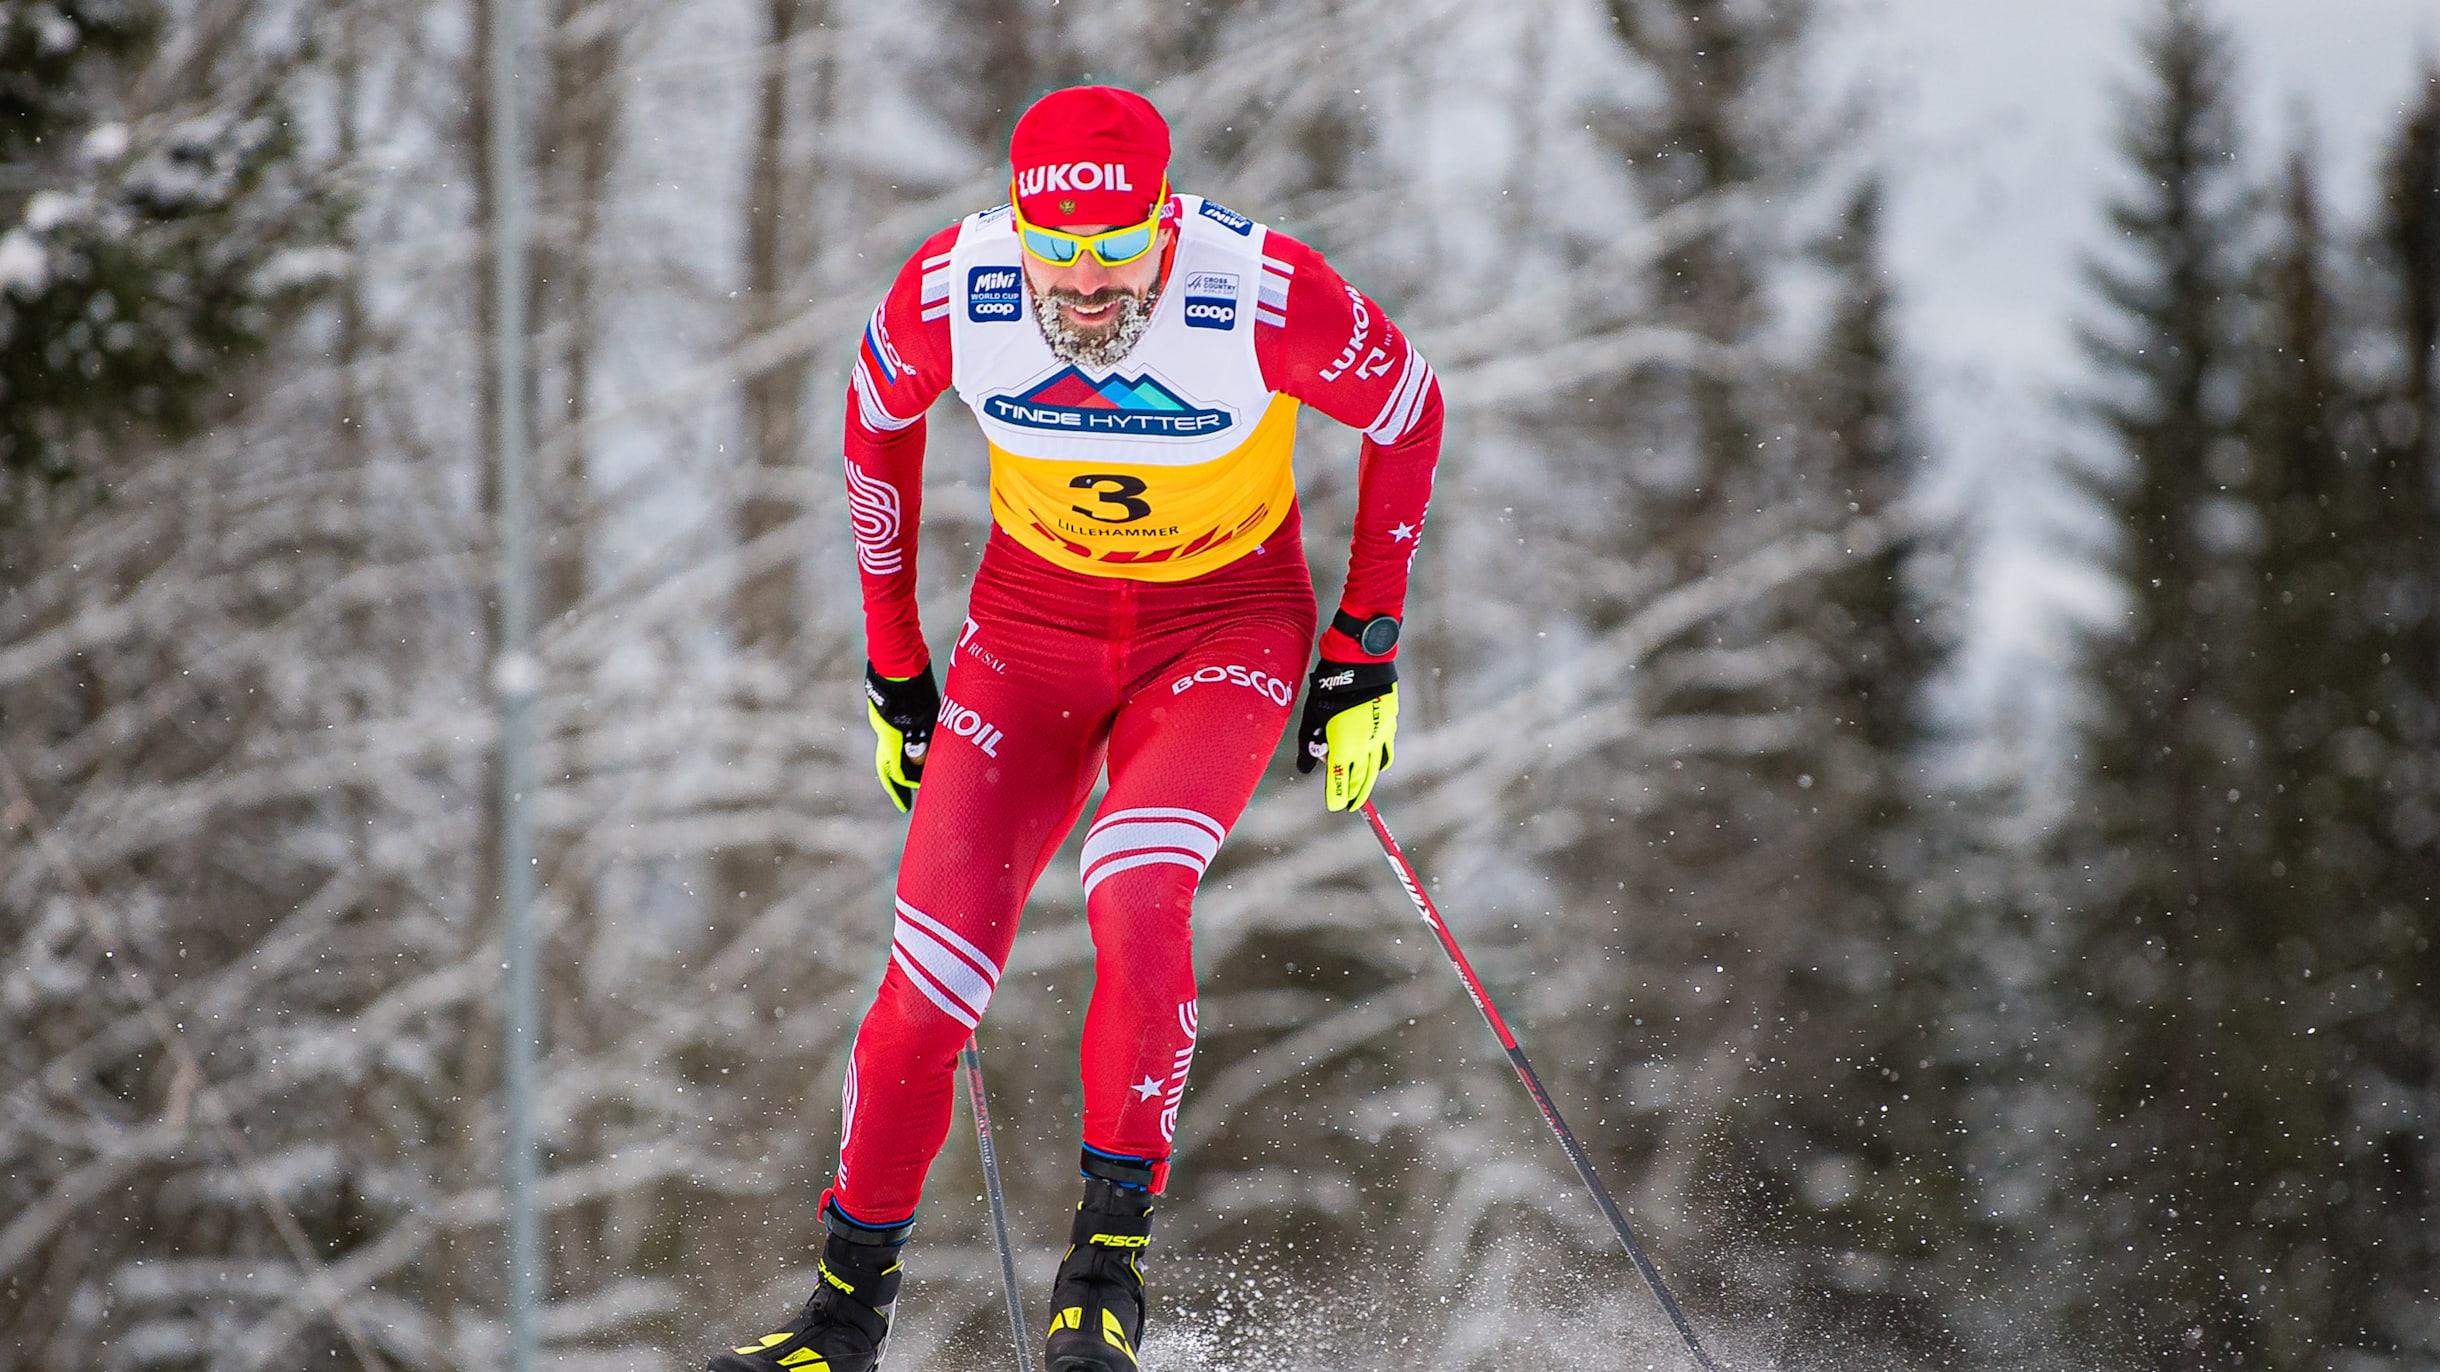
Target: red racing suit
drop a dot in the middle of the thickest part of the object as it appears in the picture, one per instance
(1143, 603)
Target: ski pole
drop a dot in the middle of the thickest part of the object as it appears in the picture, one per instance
(973, 1058)
(1533, 1084)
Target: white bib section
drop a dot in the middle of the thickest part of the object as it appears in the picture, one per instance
(1190, 391)
(1174, 461)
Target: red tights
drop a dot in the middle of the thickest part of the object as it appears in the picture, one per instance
(1184, 688)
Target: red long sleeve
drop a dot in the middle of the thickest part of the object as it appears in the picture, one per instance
(901, 368)
(1325, 343)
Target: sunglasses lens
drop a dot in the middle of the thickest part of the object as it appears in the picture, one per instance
(1055, 249)
(1125, 246)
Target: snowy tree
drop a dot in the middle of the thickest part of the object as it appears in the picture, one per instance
(2384, 772)
(2220, 829)
(2164, 970)
(1667, 755)
(149, 243)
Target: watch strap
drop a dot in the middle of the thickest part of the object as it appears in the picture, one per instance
(1375, 636)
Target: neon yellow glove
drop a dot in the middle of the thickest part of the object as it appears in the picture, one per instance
(1351, 721)
(902, 710)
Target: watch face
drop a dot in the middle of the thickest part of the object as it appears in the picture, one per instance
(1380, 635)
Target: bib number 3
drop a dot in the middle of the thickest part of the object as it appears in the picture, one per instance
(1121, 491)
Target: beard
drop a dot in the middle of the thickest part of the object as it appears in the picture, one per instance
(1103, 345)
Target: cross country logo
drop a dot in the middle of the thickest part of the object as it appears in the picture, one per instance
(1211, 301)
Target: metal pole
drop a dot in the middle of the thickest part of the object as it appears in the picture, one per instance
(973, 1058)
(516, 679)
(1533, 1084)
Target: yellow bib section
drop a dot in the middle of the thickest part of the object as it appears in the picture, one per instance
(1145, 522)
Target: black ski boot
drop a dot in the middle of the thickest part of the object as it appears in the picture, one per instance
(844, 1322)
(1097, 1301)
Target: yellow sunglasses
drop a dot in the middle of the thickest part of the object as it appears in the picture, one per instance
(1114, 248)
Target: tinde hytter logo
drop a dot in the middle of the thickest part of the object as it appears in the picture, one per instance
(994, 295)
(1136, 406)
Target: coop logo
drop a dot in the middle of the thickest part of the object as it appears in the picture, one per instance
(1211, 301)
(994, 295)
(1227, 218)
(966, 724)
(1136, 406)
(1074, 176)
(1269, 687)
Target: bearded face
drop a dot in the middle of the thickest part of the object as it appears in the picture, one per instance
(1092, 341)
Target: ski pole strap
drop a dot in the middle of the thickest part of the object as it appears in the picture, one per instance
(1136, 1172)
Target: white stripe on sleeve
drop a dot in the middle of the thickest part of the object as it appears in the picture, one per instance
(869, 409)
(1405, 401)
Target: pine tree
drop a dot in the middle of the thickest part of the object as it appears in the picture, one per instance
(1723, 124)
(2305, 859)
(1890, 638)
(47, 59)
(2220, 832)
(2165, 1171)
(2387, 758)
(2409, 238)
(1757, 847)
(2398, 499)
(147, 250)
(1848, 1136)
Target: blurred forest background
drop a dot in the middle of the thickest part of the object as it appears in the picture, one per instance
(1913, 1038)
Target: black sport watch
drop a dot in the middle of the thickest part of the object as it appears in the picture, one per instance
(1375, 636)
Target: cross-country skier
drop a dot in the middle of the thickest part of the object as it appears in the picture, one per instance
(1136, 358)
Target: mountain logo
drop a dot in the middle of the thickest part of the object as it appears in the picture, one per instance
(1134, 406)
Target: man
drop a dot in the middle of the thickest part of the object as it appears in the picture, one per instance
(1136, 359)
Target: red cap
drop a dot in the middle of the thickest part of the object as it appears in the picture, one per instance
(1089, 155)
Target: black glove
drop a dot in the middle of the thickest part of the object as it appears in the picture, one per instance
(903, 711)
(1359, 748)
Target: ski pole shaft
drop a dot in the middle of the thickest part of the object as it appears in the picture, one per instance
(973, 1059)
(1533, 1084)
